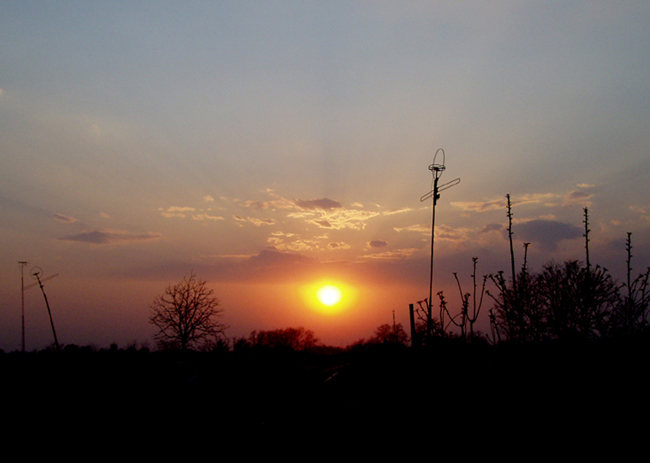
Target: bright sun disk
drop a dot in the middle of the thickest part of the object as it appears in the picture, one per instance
(329, 295)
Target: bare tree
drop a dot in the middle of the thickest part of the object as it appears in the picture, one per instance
(186, 315)
(467, 317)
(631, 313)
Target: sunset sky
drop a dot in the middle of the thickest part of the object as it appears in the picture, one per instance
(272, 146)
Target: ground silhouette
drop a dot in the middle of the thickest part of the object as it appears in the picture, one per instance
(445, 383)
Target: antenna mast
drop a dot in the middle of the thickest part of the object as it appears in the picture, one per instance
(436, 168)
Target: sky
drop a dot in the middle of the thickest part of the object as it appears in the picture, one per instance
(269, 147)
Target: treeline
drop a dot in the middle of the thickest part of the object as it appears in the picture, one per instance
(571, 300)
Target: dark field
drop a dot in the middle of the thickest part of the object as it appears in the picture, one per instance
(451, 384)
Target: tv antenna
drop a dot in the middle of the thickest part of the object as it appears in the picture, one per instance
(36, 274)
(436, 168)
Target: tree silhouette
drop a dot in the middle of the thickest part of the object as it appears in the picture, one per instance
(516, 313)
(297, 339)
(186, 315)
(390, 334)
(576, 301)
(631, 314)
(467, 316)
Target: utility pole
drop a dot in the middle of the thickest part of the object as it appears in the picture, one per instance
(36, 273)
(22, 264)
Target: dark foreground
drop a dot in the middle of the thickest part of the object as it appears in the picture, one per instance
(471, 387)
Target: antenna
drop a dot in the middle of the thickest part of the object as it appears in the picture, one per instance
(436, 168)
(36, 273)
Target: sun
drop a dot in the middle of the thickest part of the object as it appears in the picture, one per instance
(329, 295)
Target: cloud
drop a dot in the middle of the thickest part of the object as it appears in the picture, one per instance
(206, 217)
(276, 203)
(254, 221)
(444, 232)
(324, 212)
(643, 211)
(295, 243)
(547, 234)
(480, 206)
(378, 243)
(260, 222)
(273, 258)
(335, 246)
(176, 211)
(546, 199)
(337, 219)
(491, 227)
(418, 228)
(256, 204)
(324, 204)
(398, 211)
(64, 218)
(393, 255)
(208, 198)
(110, 237)
(578, 197)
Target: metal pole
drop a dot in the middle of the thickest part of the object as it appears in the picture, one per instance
(437, 170)
(433, 228)
(22, 300)
(414, 341)
(56, 342)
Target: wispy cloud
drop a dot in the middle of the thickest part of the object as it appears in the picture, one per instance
(276, 202)
(206, 217)
(491, 227)
(324, 204)
(418, 228)
(397, 211)
(296, 243)
(110, 237)
(579, 196)
(501, 203)
(642, 211)
(582, 196)
(182, 212)
(64, 218)
(176, 211)
(547, 234)
(392, 255)
(480, 206)
(255, 221)
(323, 212)
(336, 219)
